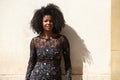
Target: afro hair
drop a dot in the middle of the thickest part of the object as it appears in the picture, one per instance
(57, 18)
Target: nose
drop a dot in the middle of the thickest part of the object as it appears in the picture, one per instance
(48, 22)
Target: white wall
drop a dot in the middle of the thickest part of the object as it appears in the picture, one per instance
(89, 18)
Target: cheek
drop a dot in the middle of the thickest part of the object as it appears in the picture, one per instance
(43, 23)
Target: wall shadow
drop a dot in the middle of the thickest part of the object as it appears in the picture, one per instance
(79, 53)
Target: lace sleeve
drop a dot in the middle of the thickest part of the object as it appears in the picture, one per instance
(32, 60)
(66, 55)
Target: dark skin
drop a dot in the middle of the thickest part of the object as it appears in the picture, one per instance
(47, 26)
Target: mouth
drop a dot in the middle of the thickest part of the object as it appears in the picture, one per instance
(48, 26)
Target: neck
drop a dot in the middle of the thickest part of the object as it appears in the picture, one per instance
(47, 34)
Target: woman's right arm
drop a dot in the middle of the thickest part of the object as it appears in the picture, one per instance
(32, 60)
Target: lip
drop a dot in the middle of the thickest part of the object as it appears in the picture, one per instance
(48, 25)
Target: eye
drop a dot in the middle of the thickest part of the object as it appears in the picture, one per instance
(51, 21)
(48, 21)
(45, 20)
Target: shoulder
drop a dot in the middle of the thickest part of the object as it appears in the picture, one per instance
(63, 37)
(34, 39)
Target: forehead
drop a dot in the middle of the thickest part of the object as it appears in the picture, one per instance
(47, 17)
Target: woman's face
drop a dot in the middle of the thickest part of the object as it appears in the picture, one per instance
(47, 23)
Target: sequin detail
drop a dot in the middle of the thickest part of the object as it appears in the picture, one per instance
(45, 58)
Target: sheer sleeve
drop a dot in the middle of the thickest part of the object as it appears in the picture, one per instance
(32, 60)
(66, 55)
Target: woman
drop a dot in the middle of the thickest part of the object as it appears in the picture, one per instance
(49, 46)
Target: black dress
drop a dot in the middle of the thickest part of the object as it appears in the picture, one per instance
(45, 58)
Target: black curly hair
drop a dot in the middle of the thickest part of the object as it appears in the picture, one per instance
(57, 18)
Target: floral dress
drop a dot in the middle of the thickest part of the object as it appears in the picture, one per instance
(45, 58)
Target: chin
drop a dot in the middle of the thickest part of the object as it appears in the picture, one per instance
(48, 30)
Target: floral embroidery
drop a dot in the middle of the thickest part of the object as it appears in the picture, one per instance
(45, 58)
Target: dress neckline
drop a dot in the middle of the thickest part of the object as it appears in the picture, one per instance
(52, 37)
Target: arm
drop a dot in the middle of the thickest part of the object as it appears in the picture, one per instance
(66, 55)
(32, 60)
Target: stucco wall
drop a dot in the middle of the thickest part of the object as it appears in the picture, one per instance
(115, 40)
(87, 28)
